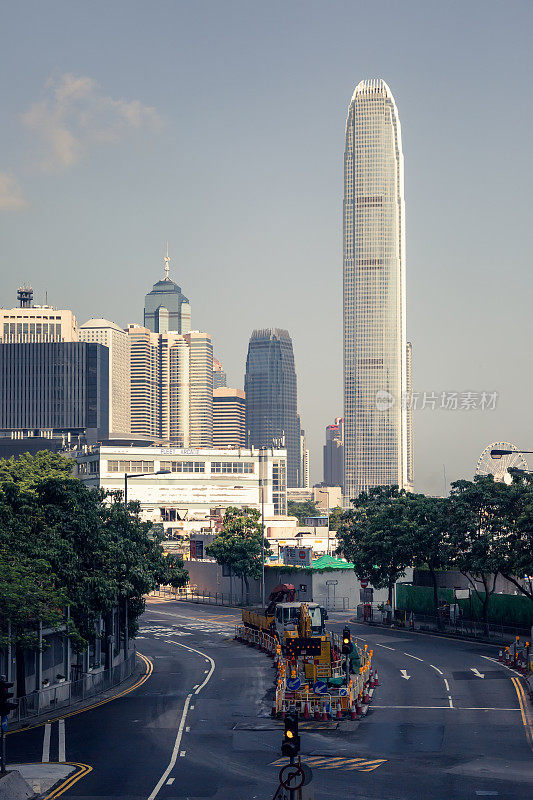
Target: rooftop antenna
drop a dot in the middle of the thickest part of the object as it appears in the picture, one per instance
(167, 264)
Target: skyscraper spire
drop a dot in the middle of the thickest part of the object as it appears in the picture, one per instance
(167, 264)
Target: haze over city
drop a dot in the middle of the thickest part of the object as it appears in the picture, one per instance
(220, 128)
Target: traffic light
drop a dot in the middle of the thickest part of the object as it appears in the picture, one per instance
(291, 741)
(346, 642)
(6, 705)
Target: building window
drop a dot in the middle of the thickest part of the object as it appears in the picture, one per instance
(232, 467)
(130, 466)
(183, 466)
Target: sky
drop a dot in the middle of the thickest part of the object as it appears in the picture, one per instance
(218, 125)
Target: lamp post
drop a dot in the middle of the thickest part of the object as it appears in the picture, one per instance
(139, 475)
(262, 486)
(326, 491)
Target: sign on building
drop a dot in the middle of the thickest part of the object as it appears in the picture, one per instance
(297, 556)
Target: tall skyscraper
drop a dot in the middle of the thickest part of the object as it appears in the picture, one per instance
(117, 342)
(229, 417)
(271, 399)
(303, 477)
(375, 346)
(172, 386)
(219, 376)
(166, 308)
(334, 454)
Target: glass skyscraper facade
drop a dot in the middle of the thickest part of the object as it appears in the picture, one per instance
(271, 399)
(376, 381)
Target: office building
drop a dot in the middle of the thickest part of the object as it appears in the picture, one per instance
(303, 477)
(334, 454)
(201, 484)
(375, 346)
(271, 400)
(54, 387)
(166, 308)
(117, 342)
(219, 376)
(172, 386)
(32, 324)
(229, 417)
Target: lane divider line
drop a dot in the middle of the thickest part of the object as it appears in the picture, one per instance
(437, 669)
(62, 740)
(83, 770)
(46, 743)
(412, 656)
(447, 685)
(179, 735)
(524, 711)
(385, 646)
(451, 701)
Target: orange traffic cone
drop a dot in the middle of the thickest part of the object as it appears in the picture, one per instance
(371, 679)
(359, 706)
(339, 710)
(500, 655)
(376, 679)
(306, 711)
(324, 713)
(353, 711)
(317, 710)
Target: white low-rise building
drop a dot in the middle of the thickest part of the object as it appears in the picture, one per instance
(198, 484)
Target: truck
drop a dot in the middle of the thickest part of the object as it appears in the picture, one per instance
(282, 616)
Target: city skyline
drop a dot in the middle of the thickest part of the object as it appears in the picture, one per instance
(88, 224)
(374, 295)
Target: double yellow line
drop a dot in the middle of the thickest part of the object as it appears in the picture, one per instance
(524, 710)
(83, 770)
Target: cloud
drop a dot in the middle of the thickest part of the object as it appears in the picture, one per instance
(11, 196)
(74, 115)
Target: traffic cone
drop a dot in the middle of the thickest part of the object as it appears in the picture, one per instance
(376, 679)
(371, 679)
(359, 706)
(274, 710)
(500, 655)
(353, 711)
(366, 696)
(324, 712)
(306, 711)
(317, 710)
(339, 710)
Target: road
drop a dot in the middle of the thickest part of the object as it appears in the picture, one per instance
(199, 726)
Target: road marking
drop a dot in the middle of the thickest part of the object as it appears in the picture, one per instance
(62, 740)
(437, 669)
(412, 656)
(385, 646)
(454, 708)
(187, 728)
(46, 743)
(477, 672)
(485, 793)
(524, 711)
(404, 674)
(330, 762)
(509, 669)
(182, 754)
(83, 769)
(447, 685)
(451, 701)
(170, 781)
(187, 704)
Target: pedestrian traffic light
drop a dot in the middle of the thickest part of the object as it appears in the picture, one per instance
(6, 705)
(346, 642)
(291, 741)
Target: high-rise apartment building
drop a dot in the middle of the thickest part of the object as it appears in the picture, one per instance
(29, 323)
(219, 376)
(334, 454)
(54, 387)
(117, 342)
(166, 308)
(172, 386)
(229, 417)
(271, 398)
(375, 346)
(303, 477)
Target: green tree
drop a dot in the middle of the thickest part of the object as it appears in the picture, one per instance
(176, 574)
(476, 522)
(308, 508)
(28, 471)
(514, 542)
(432, 547)
(336, 518)
(377, 535)
(238, 545)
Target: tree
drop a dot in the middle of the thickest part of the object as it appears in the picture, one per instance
(336, 518)
(28, 471)
(477, 519)
(307, 508)
(515, 541)
(377, 535)
(431, 541)
(177, 576)
(238, 545)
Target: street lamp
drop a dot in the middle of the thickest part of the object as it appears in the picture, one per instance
(139, 475)
(497, 454)
(326, 491)
(262, 485)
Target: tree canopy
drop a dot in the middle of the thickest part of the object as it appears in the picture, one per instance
(301, 510)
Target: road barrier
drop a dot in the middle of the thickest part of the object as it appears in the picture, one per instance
(193, 594)
(338, 702)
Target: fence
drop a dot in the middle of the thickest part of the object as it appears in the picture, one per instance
(195, 595)
(66, 694)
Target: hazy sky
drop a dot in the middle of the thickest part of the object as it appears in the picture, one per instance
(219, 125)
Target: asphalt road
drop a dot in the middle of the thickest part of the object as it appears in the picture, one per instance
(199, 727)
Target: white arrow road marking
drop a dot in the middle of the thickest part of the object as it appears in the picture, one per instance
(476, 672)
(404, 674)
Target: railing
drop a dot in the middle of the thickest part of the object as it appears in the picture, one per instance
(194, 595)
(66, 694)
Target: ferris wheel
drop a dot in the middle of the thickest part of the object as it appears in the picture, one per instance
(499, 467)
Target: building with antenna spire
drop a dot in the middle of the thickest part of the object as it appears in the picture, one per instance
(33, 323)
(166, 308)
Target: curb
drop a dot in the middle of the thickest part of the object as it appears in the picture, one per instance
(82, 705)
(455, 636)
